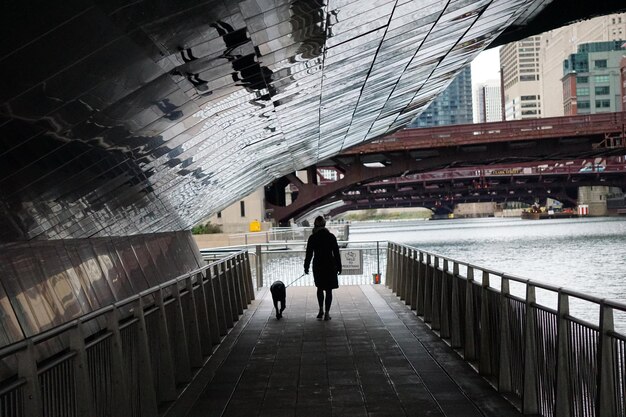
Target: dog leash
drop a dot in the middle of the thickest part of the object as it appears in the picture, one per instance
(300, 277)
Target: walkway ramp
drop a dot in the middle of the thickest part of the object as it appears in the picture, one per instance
(374, 358)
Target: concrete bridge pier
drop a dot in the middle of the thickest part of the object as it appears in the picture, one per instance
(595, 197)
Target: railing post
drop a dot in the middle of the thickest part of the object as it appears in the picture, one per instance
(530, 402)
(204, 319)
(225, 294)
(235, 293)
(428, 293)
(401, 273)
(220, 303)
(421, 280)
(239, 291)
(147, 395)
(394, 267)
(408, 276)
(413, 289)
(180, 348)
(259, 267)
(484, 364)
(82, 384)
(391, 272)
(377, 256)
(504, 376)
(606, 382)
(241, 281)
(388, 279)
(402, 278)
(562, 403)
(445, 302)
(192, 327)
(455, 319)
(27, 369)
(236, 309)
(469, 348)
(167, 383)
(436, 296)
(249, 285)
(120, 406)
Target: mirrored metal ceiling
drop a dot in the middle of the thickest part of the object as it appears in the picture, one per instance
(120, 118)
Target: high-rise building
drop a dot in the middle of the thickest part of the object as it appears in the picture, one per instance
(488, 104)
(623, 72)
(592, 79)
(558, 44)
(521, 72)
(452, 107)
(533, 67)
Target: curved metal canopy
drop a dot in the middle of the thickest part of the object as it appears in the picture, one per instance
(120, 118)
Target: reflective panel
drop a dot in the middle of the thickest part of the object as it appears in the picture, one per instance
(47, 283)
(148, 117)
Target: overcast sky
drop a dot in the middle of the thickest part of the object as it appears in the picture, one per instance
(486, 66)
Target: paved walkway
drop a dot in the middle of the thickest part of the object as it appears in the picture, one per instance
(374, 358)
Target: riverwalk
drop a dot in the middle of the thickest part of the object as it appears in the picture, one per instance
(374, 358)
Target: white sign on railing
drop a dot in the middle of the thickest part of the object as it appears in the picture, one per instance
(351, 261)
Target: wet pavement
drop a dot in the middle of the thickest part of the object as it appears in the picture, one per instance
(374, 358)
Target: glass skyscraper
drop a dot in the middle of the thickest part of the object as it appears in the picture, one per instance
(452, 107)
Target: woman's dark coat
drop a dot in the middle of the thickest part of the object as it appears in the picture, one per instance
(322, 247)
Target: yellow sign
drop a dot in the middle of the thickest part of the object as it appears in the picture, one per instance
(504, 171)
(255, 226)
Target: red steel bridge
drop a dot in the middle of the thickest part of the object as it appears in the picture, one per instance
(442, 189)
(357, 173)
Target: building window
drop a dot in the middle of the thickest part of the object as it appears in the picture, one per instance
(601, 78)
(584, 105)
(526, 98)
(600, 63)
(527, 77)
(602, 91)
(219, 214)
(242, 208)
(582, 91)
(582, 80)
(603, 104)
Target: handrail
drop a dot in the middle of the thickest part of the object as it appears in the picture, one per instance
(279, 244)
(502, 274)
(548, 360)
(178, 332)
(57, 330)
(522, 280)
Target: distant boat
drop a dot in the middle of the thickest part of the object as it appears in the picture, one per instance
(529, 215)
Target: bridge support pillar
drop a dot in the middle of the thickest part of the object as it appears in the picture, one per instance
(595, 198)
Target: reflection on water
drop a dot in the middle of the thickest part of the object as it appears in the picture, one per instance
(588, 255)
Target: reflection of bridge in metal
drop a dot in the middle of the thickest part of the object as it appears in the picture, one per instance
(423, 150)
(505, 183)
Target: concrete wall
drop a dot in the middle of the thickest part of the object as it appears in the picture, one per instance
(231, 219)
(475, 209)
(517, 212)
(595, 198)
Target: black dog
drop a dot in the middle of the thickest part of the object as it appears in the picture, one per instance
(279, 293)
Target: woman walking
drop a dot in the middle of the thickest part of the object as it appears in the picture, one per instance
(323, 249)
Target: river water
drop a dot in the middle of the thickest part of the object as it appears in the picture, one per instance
(587, 255)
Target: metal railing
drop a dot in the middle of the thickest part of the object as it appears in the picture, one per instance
(285, 261)
(285, 234)
(148, 347)
(545, 359)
